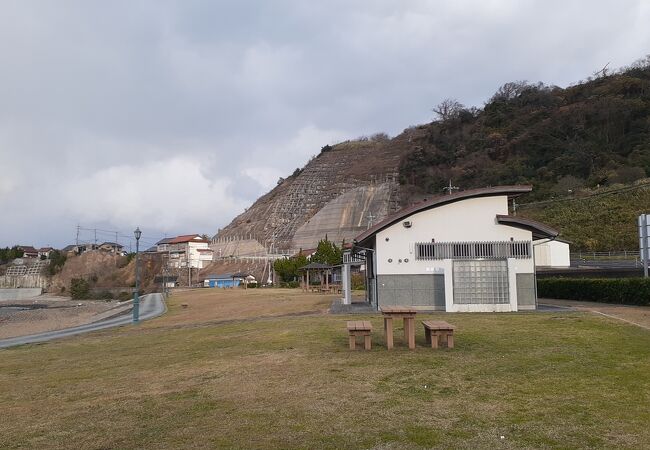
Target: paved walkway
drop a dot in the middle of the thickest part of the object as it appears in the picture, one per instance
(151, 305)
(636, 315)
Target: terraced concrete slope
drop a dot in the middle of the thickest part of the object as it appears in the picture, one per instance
(336, 194)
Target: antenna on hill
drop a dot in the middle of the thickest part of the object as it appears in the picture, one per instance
(371, 218)
(450, 188)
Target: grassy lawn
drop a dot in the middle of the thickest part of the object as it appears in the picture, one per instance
(217, 374)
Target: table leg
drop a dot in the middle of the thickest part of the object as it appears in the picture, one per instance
(352, 339)
(406, 329)
(388, 327)
(450, 339)
(411, 335)
(366, 342)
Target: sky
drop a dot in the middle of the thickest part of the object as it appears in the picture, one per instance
(174, 116)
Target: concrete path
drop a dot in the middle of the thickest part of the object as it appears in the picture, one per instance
(635, 315)
(151, 305)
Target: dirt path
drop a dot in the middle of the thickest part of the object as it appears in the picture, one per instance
(637, 315)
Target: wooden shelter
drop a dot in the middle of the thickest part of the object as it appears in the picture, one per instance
(322, 270)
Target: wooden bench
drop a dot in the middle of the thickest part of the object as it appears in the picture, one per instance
(434, 329)
(359, 328)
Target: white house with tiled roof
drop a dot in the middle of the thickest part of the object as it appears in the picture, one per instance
(189, 250)
(458, 252)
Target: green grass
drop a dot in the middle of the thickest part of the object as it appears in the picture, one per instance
(539, 380)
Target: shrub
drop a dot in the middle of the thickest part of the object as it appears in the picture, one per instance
(357, 281)
(124, 296)
(624, 291)
(103, 295)
(290, 284)
(57, 260)
(79, 288)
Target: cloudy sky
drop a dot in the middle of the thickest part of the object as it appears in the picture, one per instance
(176, 115)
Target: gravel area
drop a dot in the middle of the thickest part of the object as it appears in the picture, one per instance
(47, 314)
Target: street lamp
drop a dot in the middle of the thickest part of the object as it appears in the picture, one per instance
(136, 295)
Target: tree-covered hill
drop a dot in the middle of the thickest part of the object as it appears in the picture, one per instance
(595, 133)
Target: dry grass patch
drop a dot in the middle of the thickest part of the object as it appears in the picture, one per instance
(218, 305)
(538, 380)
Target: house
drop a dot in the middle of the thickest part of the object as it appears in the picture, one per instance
(163, 244)
(554, 253)
(44, 252)
(166, 281)
(28, 251)
(79, 248)
(454, 253)
(224, 280)
(111, 247)
(190, 250)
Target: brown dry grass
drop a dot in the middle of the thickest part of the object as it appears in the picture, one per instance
(218, 305)
(544, 380)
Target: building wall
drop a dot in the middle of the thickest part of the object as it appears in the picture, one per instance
(552, 254)
(466, 220)
(412, 290)
(526, 293)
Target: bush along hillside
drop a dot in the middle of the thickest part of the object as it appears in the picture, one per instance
(595, 133)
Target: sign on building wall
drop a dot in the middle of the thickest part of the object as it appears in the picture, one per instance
(644, 238)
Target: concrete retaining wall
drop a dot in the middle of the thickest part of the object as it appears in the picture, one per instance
(23, 281)
(19, 294)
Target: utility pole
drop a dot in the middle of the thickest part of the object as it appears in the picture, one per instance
(450, 188)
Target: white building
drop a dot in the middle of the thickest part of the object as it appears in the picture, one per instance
(190, 250)
(459, 252)
(554, 253)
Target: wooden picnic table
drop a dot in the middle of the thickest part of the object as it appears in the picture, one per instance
(399, 312)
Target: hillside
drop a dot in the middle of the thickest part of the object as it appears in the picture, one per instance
(564, 141)
(594, 133)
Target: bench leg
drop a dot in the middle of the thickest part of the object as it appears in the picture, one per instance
(427, 335)
(353, 341)
(388, 330)
(434, 339)
(366, 342)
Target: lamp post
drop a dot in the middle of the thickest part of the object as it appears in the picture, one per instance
(136, 295)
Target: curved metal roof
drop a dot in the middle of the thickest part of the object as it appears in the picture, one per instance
(510, 191)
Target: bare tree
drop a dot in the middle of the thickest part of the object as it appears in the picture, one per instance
(448, 109)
